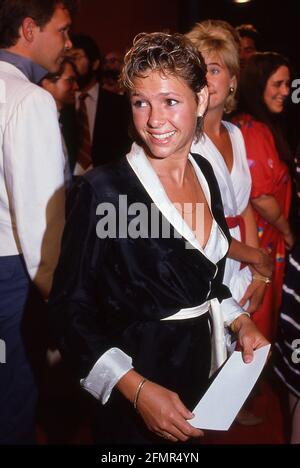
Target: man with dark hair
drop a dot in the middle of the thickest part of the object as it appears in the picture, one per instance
(63, 84)
(88, 60)
(249, 42)
(102, 116)
(13, 12)
(34, 39)
(112, 67)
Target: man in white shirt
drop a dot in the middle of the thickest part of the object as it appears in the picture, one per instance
(33, 40)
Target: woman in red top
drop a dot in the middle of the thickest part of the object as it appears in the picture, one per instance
(264, 87)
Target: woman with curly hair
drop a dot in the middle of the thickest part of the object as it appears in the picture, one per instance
(133, 294)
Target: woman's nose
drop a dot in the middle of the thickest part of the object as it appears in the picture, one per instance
(156, 117)
(285, 89)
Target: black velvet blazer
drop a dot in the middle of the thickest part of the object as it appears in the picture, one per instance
(105, 288)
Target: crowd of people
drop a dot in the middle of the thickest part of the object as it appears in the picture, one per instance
(149, 210)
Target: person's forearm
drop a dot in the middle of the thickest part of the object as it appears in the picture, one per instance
(244, 253)
(128, 384)
(256, 257)
(269, 209)
(250, 227)
(282, 224)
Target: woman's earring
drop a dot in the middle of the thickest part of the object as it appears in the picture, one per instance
(231, 89)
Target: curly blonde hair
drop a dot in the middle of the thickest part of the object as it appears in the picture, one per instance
(216, 36)
(170, 54)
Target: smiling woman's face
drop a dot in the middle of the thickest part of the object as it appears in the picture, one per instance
(165, 112)
(277, 90)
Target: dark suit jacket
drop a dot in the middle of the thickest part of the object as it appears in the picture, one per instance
(110, 139)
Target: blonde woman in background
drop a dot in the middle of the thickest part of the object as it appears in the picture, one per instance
(223, 146)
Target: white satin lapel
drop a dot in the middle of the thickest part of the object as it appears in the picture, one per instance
(228, 174)
(150, 181)
(216, 159)
(205, 187)
(202, 181)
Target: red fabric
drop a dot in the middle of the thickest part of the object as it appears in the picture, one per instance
(270, 176)
(234, 221)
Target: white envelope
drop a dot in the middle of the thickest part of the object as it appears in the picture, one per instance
(219, 406)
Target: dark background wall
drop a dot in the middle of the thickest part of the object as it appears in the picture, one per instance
(277, 21)
(115, 23)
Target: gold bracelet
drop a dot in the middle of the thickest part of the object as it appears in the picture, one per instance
(232, 325)
(264, 279)
(137, 392)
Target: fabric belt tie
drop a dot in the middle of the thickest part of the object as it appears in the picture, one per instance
(213, 306)
(237, 221)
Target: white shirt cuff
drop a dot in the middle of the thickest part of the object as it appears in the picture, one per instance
(231, 310)
(107, 371)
